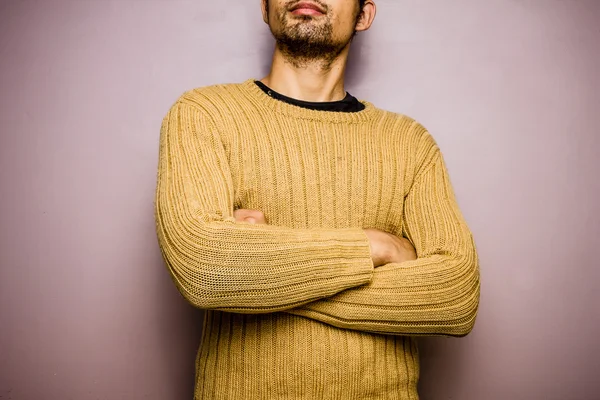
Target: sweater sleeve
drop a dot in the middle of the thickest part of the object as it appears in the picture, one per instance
(437, 294)
(217, 263)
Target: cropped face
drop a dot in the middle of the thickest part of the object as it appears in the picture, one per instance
(308, 29)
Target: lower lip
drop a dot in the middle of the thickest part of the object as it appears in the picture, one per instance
(306, 11)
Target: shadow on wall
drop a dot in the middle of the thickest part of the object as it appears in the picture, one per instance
(179, 327)
(357, 61)
(441, 354)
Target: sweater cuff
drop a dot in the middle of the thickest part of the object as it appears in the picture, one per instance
(356, 250)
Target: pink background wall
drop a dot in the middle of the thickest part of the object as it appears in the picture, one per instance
(510, 89)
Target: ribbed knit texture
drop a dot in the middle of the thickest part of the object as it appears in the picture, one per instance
(295, 308)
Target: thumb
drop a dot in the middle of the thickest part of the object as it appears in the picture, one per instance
(250, 220)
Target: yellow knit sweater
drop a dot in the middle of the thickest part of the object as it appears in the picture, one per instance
(295, 308)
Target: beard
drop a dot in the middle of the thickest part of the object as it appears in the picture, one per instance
(305, 40)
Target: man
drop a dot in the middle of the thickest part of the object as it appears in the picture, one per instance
(321, 233)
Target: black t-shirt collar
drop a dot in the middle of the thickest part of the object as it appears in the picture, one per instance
(347, 104)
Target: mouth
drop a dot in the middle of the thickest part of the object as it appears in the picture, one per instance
(307, 8)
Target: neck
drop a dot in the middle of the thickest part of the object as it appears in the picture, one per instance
(316, 81)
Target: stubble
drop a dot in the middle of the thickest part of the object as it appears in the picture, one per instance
(306, 40)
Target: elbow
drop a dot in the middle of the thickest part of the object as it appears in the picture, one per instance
(192, 264)
(467, 322)
(467, 309)
(469, 299)
(197, 297)
(192, 277)
(462, 304)
(193, 287)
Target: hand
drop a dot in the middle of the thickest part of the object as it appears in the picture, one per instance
(387, 248)
(249, 216)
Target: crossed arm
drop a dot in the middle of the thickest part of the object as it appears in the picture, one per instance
(350, 278)
(385, 248)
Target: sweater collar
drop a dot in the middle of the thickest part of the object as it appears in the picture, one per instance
(263, 100)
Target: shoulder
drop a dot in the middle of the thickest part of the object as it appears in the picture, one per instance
(212, 97)
(413, 133)
(215, 104)
(415, 145)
